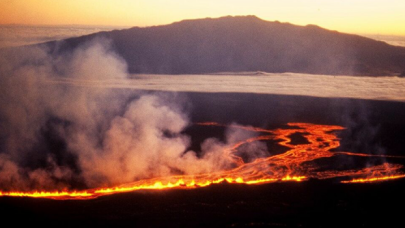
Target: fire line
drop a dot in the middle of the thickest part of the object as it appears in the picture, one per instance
(293, 165)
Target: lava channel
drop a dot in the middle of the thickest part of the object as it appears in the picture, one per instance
(296, 164)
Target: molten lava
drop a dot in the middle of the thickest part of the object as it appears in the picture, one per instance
(296, 164)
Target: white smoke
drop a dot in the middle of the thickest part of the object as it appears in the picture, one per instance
(103, 136)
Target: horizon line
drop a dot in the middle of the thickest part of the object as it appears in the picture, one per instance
(187, 19)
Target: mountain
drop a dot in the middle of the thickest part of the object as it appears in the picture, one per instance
(246, 43)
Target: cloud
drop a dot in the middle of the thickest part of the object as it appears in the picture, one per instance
(19, 35)
(372, 88)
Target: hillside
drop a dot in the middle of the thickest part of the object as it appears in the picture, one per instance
(246, 43)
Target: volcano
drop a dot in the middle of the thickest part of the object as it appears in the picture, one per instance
(245, 43)
(83, 142)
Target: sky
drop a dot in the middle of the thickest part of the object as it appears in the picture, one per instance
(385, 17)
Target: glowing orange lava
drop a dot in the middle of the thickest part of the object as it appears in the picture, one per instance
(296, 164)
(374, 179)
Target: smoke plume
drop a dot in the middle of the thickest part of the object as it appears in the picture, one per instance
(83, 133)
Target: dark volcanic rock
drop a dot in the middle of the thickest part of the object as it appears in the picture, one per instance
(246, 43)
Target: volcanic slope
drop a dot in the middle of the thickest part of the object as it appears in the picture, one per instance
(246, 43)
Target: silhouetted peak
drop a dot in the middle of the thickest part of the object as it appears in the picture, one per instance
(247, 18)
(313, 26)
(248, 43)
(225, 19)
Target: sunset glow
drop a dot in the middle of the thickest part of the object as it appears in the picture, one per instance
(359, 16)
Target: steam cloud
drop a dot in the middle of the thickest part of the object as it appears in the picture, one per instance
(56, 136)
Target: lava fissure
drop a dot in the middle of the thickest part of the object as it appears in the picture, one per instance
(288, 166)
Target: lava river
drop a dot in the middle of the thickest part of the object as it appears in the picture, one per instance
(298, 163)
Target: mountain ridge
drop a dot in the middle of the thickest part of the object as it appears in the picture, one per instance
(246, 43)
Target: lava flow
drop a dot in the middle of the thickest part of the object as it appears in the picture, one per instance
(296, 164)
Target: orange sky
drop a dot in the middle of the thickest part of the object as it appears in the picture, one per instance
(354, 16)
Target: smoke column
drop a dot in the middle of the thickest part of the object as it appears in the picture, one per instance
(58, 136)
